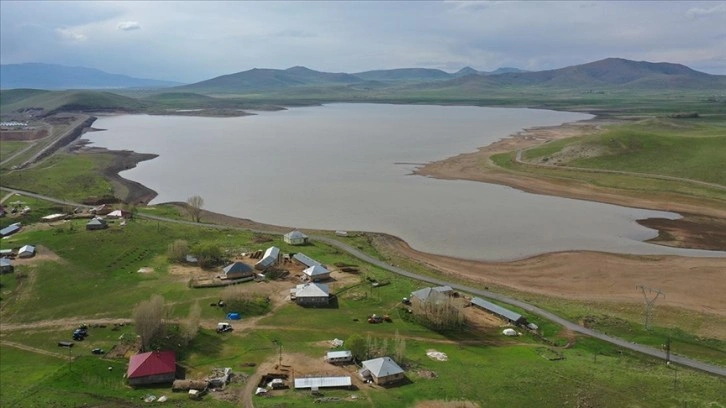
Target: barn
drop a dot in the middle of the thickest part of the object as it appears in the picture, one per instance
(154, 367)
(270, 258)
(26, 251)
(501, 312)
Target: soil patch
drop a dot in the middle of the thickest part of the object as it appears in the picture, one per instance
(693, 231)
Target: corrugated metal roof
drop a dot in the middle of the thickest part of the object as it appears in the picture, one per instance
(339, 354)
(316, 270)
(10, 229)
(312, 290)
(305, 260)
(27, 249)
(151, 363)
(269, 258)
(382, 367)
(322, 382)
(496, 309)
(295, 235)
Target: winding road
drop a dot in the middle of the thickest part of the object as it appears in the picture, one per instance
(684, 361)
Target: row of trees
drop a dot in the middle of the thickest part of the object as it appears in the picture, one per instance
(372, 347)
(149, 324)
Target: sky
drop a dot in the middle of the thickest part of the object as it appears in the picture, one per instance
(191, 41)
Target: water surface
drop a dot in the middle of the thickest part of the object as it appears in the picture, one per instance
(348, 167)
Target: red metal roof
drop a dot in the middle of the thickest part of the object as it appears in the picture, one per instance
(151, 363)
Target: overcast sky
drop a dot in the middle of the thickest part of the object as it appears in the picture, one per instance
(192, 41)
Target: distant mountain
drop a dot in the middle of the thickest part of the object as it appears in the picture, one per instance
(52, 77)
(506, 70)
(466, 71)
(404, 74)
(608, 73)
(258, 80)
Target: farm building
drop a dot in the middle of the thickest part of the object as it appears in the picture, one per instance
(26, 251)
(506, 314)
(10, 229)
(154, 367)
(310, 294)
(316, 273)
(423, 294)
(237, 270)
(53, 217)
(305, 260)
(270, 258)
(315, 383)
(6, 266)
(381, 370)
(119, 214)
(295, 238)
(343, 356)
(102, 209)
(6, 253)
(96, 224)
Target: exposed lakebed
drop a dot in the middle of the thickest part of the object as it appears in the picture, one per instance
(348, 167)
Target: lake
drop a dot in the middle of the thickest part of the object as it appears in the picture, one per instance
(348, 167)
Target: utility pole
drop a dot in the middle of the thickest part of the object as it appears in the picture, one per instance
(649, 302)
(668, 350)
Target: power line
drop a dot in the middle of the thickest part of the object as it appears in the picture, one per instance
(649, 302)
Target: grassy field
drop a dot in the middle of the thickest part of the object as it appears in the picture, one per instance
(483, 366)
(686, 148)
(8, 148)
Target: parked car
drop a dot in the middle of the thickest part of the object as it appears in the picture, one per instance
(223, 327)
(98, 351)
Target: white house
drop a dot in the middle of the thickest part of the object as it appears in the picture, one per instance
(295, 238)
(336, 357)
(381, 370)
(316, 273)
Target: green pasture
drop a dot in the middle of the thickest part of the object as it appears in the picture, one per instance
(10, 147)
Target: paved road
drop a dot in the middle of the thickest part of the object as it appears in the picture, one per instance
(518, 159)
(709, 368)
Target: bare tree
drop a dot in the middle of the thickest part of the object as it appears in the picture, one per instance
(190, 327)
(148, 315)
(399, 347)
(178, 250)
(194, 206)
(439, 312)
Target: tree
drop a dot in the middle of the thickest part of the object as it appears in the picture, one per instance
(148, 315)
(208, 254)
(190, 327)
(357, 346)
(178, 250)
(399, 347)
(194, 206)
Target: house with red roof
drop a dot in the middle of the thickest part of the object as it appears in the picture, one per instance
(154, 367)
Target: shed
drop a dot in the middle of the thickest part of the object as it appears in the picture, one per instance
(6, 266)
(504, 313)
(10, 229)
(53, 217)
(6, 252)
(311, 294)
(381, 370)
(154, 367)
(26, 251)
(237, 270)
(316, 273)
(119, 214)
(323, 382)
(96, 224)
(305, 260)
(270, 258)
(295, 238)
(342, 356)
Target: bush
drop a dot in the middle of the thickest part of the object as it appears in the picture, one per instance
(239, 300)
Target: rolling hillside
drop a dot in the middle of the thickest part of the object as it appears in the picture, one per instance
(49, 102)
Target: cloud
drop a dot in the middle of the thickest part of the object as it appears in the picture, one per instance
(70, 35)
(697, 12)
(128, 26)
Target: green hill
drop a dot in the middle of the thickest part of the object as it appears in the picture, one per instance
(49, 102)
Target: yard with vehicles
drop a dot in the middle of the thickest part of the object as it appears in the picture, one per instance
(100, 291)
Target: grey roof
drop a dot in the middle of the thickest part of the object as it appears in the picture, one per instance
(295, 235)
(305, 260)
(496, 309)
(26, 248)
(424, 293)
(5, 262)
(339, 354)
(237, 267)
(97, 221)
(269, 258)
(312, 290)
(322, 382)
(10, 229)
(316, 270)
(382, 367)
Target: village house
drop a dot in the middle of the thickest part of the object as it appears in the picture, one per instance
(316, 273)
(26, 251)
(270, 258)
(381, 371)
(237, 270)
(295, 238)
(10, 229)
(154, 367)
(311, 294)
(96, 224)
